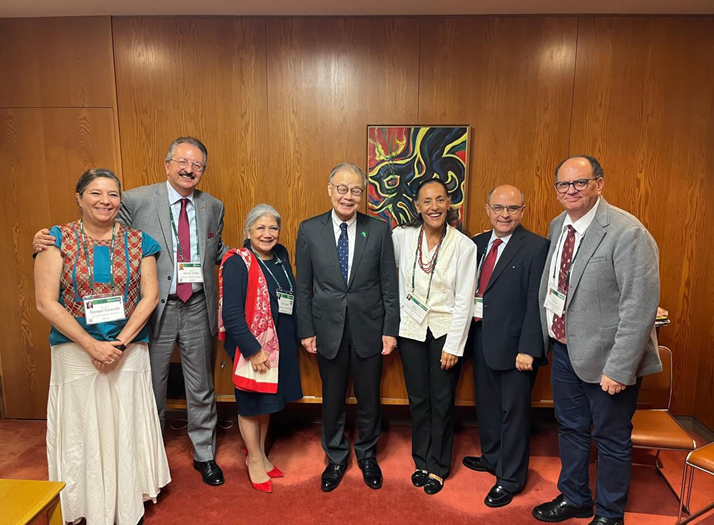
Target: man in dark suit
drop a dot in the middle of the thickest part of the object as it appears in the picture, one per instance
(507, 342)
(348, 314)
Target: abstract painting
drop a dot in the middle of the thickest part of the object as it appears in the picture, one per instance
(401, 157)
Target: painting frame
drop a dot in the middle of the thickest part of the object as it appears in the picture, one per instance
(400, 157)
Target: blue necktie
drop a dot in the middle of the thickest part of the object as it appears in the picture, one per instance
(343, 250)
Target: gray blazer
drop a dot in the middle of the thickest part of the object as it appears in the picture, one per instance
(612, 300)
(146, 208)
(370, 298)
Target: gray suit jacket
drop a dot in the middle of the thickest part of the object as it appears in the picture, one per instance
(146, 208)
(612, 300)
(370, 298)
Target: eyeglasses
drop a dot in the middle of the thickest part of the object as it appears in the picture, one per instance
(512, 209)
(579, 185)
(342, 190)
(183, 164)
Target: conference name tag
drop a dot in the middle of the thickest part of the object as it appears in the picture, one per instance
(103, 309)
(190, 272)
(285, 302)
(414, 308)
(555, 301)
(478, 307)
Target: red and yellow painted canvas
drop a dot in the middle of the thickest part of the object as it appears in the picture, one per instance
(401, 157)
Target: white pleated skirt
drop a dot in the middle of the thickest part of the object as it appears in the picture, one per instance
(104, 436)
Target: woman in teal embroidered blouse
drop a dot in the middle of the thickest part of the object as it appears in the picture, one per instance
(98, 286)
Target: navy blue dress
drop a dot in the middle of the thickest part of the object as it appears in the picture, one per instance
(235, 287)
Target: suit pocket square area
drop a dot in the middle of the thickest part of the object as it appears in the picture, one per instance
(211, 235)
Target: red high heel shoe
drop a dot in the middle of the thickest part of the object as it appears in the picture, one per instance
(266, 486)
(275, 473)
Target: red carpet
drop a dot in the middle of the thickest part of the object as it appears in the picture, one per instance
(297, 498)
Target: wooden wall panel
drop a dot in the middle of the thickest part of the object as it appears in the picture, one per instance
(56, 62)
(42, 154)
(511, 79)
(328, 79)
(644, 105)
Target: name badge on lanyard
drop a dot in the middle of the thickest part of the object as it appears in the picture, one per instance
(103, 308)
(478, 307)
(555, 300)
(414, 308)
(286, 298)
(190, 272)
(285, 302)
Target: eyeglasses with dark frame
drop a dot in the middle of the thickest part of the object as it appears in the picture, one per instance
(579, 185)
(342, 190)
(195, 165)
(512, 209)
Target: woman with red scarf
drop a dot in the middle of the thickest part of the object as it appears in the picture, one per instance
(257, 325)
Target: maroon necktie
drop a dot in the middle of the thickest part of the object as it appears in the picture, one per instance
(566, 259)
(184, 290)
(487, 270)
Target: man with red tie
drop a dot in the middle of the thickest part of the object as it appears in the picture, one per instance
(599, 298)
(506, 341)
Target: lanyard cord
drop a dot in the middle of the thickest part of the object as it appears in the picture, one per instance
(282, 265)
(178, 241)
(417, 255)
(89, 267)
(480, 267)
(572, 261)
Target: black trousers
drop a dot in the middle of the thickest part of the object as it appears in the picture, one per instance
(585, 412)
(366, 376)
(432, 393)
(503, 404)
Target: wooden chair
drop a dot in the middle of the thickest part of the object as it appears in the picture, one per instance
(655, 428)
(701, 459)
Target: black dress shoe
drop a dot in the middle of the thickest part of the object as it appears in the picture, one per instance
(211, 472)
(560, 510)
(477, 463)
(602, 520)
(498, 497)
(419, 478)
(331, 477)
(371, 473)
(432, 486)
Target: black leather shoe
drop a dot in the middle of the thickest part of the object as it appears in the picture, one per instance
(432, 486)
(419, 478)
(476, 463)
(211, 472)
(498, 497)
(371, 473)
(331, 477)
(560, 510)
(602, 520)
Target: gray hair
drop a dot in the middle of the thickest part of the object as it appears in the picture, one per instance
(488, 199)
(187, 140)
(256, 213)
(88, 176)
(349, 167)
(598, 172)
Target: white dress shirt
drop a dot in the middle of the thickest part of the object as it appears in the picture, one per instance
(351, 232)
(175, 204)
(453, 286)
(580, 226)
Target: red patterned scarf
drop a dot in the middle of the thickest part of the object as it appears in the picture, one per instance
(260, 321)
